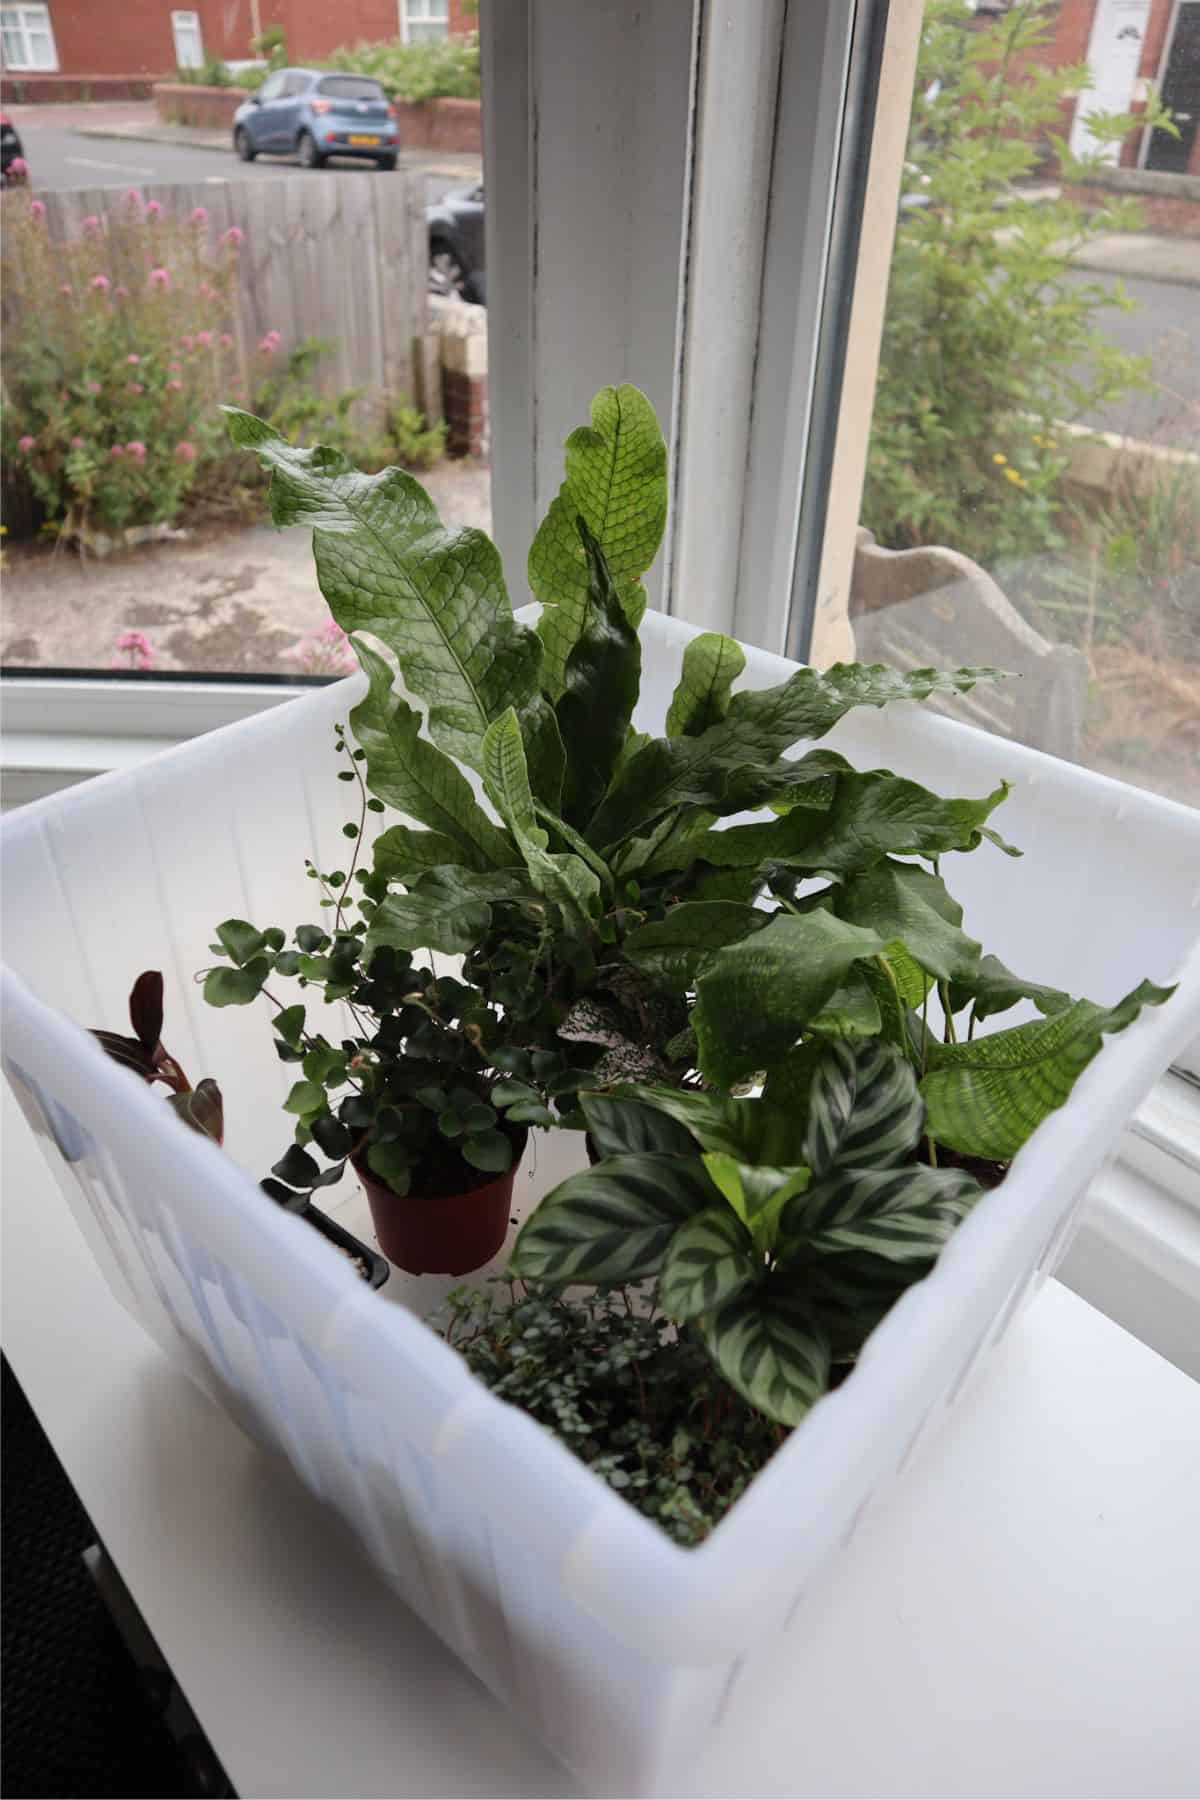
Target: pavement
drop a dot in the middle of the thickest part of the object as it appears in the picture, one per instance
(215, 601)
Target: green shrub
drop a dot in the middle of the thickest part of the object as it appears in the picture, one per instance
(289, 399)
(212, 73)
(442, 68)
(986, 344)
(119, 345)
(271, 44)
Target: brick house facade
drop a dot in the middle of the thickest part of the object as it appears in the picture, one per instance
(1167, 32)
(138, 38)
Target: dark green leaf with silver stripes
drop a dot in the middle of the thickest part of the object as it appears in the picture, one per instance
(768, 1346)
(864, 1107)
(707, 1261)
(905, 1215)
(613, 1223)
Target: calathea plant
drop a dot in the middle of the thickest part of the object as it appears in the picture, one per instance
(584, 901)
(779, 1234)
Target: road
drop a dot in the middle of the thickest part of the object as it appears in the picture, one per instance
(62, 157)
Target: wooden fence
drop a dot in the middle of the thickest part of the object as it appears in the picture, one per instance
(329, 254)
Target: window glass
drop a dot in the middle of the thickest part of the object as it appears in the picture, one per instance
(426, 19)
(26, 38)
(1032, 496)
(350, 87)
(147, 285)
(189, 47)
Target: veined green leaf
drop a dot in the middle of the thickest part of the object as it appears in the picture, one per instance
(415, 922)
(904, 1215)
(544, 752)
(573, 841)
(757, 1192)
(755, 997)
(984, 1098)
(670, 950)
(619, 1125)
(711, 665)
(386, 564)
(723, 769)
(993, 989)
(900, 900)
(613, 1223)
(600, 689)
(616, 478)
(709, 1259)
(411, 774)
(864, 1108)
(852, 1010)
(401, 854)
(563, 878)
(769, 1347)
(715, 1121)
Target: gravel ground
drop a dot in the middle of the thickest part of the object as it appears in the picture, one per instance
(224, 602)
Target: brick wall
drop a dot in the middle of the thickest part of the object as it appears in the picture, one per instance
(49, 90)
(441, 125)
(179, 103)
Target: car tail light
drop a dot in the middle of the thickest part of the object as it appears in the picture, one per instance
(394, 112)
(329, 137)
(322, 106)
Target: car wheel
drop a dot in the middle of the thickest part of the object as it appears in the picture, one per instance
(386, 163)
(243, 146)
(306, 150)
(445, 271)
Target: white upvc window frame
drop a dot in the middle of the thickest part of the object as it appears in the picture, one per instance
(44, 25)
(187, 23)
(615, 273)
(419, 26)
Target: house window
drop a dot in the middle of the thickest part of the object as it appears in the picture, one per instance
(189, 46)
(28, 38)
(421, 20)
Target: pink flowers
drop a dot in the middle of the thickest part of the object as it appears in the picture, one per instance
(154, 209)
(37, 209)
(133, 359)
(174, 387)
(134, 387)
(226, 340)
(120, 292)
(268, 345)
(93, 387)
(185, 452)
(18, 166)
(204, 340)
(207, 291)
(91, 226)
(176, 368)
(101, 283)
(234, 237)
(324, 652)
(77, 443)
(66, 288)
(133, 196)
(26, 444)
(187, 342)
(137, 648)
(160, 279)
(117, 452)
(136, 449)
(200, 215)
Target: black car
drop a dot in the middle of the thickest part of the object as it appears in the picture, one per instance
(456, 245)
(10, 152)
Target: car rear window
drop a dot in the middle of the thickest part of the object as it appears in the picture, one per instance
(350, 87)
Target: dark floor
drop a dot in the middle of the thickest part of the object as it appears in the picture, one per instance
(75, 1719)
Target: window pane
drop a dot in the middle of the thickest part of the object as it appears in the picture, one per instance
(1038, 403)
(419, 34)
(137, 536)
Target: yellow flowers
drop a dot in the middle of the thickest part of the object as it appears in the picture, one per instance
(1044, 443)
(1015, 476)
(1010, 474)
(999, 458)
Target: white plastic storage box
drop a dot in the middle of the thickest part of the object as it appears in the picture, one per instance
(616, 1646)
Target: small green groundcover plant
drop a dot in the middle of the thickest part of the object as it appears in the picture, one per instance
(768, 1028)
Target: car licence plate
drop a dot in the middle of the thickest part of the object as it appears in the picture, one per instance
(363, 140)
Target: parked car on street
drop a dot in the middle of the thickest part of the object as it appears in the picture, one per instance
(12, 158)
(456, 245)
(314, 114)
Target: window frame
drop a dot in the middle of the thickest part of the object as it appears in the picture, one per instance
(187, 21)
(46, 26)
(425, 23)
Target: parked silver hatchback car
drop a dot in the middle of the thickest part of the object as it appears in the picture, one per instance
(315, 114)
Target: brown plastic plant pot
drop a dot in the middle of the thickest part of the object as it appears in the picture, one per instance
(442, 1234)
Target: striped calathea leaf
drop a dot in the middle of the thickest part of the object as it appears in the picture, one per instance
(864, 1107)
(770, 1347)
